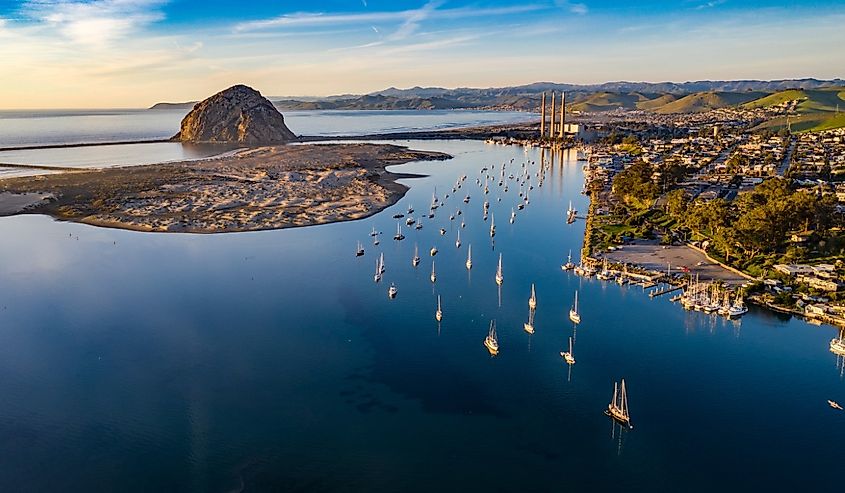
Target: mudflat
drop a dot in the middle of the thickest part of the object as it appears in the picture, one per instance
(253, 189)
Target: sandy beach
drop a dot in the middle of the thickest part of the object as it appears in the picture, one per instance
(652, 256)
(248, 190)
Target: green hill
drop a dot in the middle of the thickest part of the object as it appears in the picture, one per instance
(705, 101)
(811, 100)
(609, 101)
(653, 104)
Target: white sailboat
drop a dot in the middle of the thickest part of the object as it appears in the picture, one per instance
(837, 345)
(391, 292)
(399, 235)
(573, 313)
(532, 301)
(469, 257)
(416, 260)
(618, 408)
(570, 213)
(377, 276)
(499, 277)
(569, 356)
(513, 215)
(738, 309)
(529, 326)
(492, 340)
(492, 225)
(438, 315)
(433, 274)
(360, 250)
(381, 263)
(568, 265)
(458, 241)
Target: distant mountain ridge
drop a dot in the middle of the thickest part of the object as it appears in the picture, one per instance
(819, 98)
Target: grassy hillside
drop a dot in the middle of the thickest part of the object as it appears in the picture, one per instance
(705, 101)
(653, 104)
(813, 122)
(609, 101)
(811, 100)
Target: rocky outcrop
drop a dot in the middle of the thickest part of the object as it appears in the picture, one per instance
(237, 115)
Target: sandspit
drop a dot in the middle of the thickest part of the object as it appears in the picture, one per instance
(254, 189)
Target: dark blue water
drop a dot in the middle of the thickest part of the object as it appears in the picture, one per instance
(272, 361)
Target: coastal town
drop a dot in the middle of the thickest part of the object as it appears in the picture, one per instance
(719, 203)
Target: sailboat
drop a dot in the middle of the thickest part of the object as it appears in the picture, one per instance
(618, 408)
(529, 325)
(374, 232)
(458, 241)
(569, 356)
(438, 315)
(499, 276)
(492, 225)
(738, 309)
(570, 213)
(399, 235)
(492, 340)
(381, 263)
(377, 276)
(568, 265)
(532, 301)
(391, 292)
(433, 274)
(573, 313)
(513, 215)
(416, 260)
(837, 345)
(469, 257)
(360, 251)
(834, 405)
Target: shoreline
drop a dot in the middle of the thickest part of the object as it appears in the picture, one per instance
(255, 189)
(476, 132)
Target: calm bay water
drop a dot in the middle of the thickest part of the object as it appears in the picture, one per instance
(22, 129)
(272, 361)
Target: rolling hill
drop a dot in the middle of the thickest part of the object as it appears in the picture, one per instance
(705, 101)
(810, 100)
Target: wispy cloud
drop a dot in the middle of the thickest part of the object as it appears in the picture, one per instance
(710, 4)
(95, 22)
(575, 8)
(412, 23)
(410, 17)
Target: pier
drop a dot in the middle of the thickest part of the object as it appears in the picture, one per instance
(662, 291)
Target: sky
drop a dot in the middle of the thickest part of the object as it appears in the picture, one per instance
(134, 53)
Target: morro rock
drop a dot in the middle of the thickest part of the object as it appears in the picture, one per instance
(237, 115)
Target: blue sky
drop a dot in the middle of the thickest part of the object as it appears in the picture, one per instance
(131, 53)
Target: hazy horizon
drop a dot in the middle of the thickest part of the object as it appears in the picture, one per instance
(417, 86)
(64, 54)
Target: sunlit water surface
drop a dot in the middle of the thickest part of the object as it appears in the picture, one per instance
(272, 361)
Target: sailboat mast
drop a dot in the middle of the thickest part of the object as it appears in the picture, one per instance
(623, 404)
(614, 394)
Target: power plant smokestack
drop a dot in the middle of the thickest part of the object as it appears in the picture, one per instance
(543, 117)
(562, 114)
